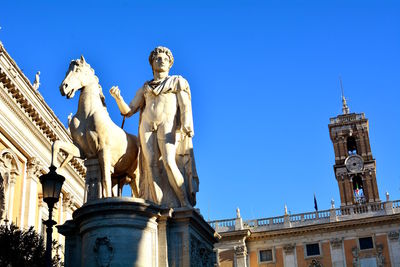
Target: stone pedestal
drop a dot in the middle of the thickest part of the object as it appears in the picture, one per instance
(190, 240)
(133, 232)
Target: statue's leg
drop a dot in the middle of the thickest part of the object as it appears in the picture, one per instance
(148, 141)
(166, 143)
(105, 164)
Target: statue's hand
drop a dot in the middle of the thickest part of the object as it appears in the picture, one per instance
(115, 92)
(188, 131)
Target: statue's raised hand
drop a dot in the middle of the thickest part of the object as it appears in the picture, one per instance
(115, 92)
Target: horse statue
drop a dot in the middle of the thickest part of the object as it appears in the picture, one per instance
(94, 134)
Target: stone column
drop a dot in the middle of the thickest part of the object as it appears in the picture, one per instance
(67, 206)
(289, 255)
(394, 248)
(162, 238)
(33, 172)
(337, 255)
(240, 256)
(11, 184)
(92, 180)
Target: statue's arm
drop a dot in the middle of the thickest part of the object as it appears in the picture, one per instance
(185, 106)
(124, 108)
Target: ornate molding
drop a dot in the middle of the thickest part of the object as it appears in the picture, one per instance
(336, 243)
(34, 168)
(393, 236)
(68, 202)
(9, 166)
(289, 248)
(240, 250)
(315, 263)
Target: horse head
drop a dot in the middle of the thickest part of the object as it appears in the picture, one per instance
(79, 75)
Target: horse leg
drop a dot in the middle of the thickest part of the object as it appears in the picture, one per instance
(134, 183)
(70, 149)
(105, 162)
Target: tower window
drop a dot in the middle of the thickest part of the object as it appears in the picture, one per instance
(351, 145)
(358, 190)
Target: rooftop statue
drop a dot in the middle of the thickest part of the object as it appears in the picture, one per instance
(36, 83)
(168, 172)
(94, 134)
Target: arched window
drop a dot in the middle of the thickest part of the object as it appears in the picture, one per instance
(351, 145)
(358, 189)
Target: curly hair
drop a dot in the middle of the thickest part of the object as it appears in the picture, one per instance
(159, 50)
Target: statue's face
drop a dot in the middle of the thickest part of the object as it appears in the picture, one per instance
(161, 63)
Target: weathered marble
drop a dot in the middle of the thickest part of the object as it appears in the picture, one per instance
(165, 132)
(112, 232)
(94, 134)
(134, 232)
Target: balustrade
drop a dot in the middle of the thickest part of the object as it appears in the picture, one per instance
(302, 219)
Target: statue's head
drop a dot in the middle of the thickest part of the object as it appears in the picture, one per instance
(161, 59)
(79, 75)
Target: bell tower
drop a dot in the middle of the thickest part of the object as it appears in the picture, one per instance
(355, 167)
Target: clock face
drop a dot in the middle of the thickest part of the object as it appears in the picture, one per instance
(354, 163)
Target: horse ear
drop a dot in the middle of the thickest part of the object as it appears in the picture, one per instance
(83, 59)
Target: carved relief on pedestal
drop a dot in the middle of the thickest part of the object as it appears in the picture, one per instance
(104, 251)
(289, 248)
(200, 255)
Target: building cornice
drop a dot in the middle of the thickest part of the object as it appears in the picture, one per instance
(37, 112)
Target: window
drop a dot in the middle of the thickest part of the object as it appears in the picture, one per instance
(366, 243)
(358, 190)
(351, 145)
(312, 249)
(265, 255)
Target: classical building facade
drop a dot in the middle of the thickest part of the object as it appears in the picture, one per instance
(28, 127)
(363, 231)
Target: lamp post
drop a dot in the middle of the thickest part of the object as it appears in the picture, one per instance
(51, 184)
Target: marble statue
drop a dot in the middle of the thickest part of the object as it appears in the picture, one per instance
(36, 83)
(94, 134)
(168, 172)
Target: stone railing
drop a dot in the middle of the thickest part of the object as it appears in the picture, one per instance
(310, 218)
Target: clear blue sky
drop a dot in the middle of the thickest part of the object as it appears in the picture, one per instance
(264, 81)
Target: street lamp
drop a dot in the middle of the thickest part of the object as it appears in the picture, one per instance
(51, 184)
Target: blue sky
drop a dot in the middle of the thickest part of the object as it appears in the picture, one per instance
(264, 81)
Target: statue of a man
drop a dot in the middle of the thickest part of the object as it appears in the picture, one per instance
(165, 129)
